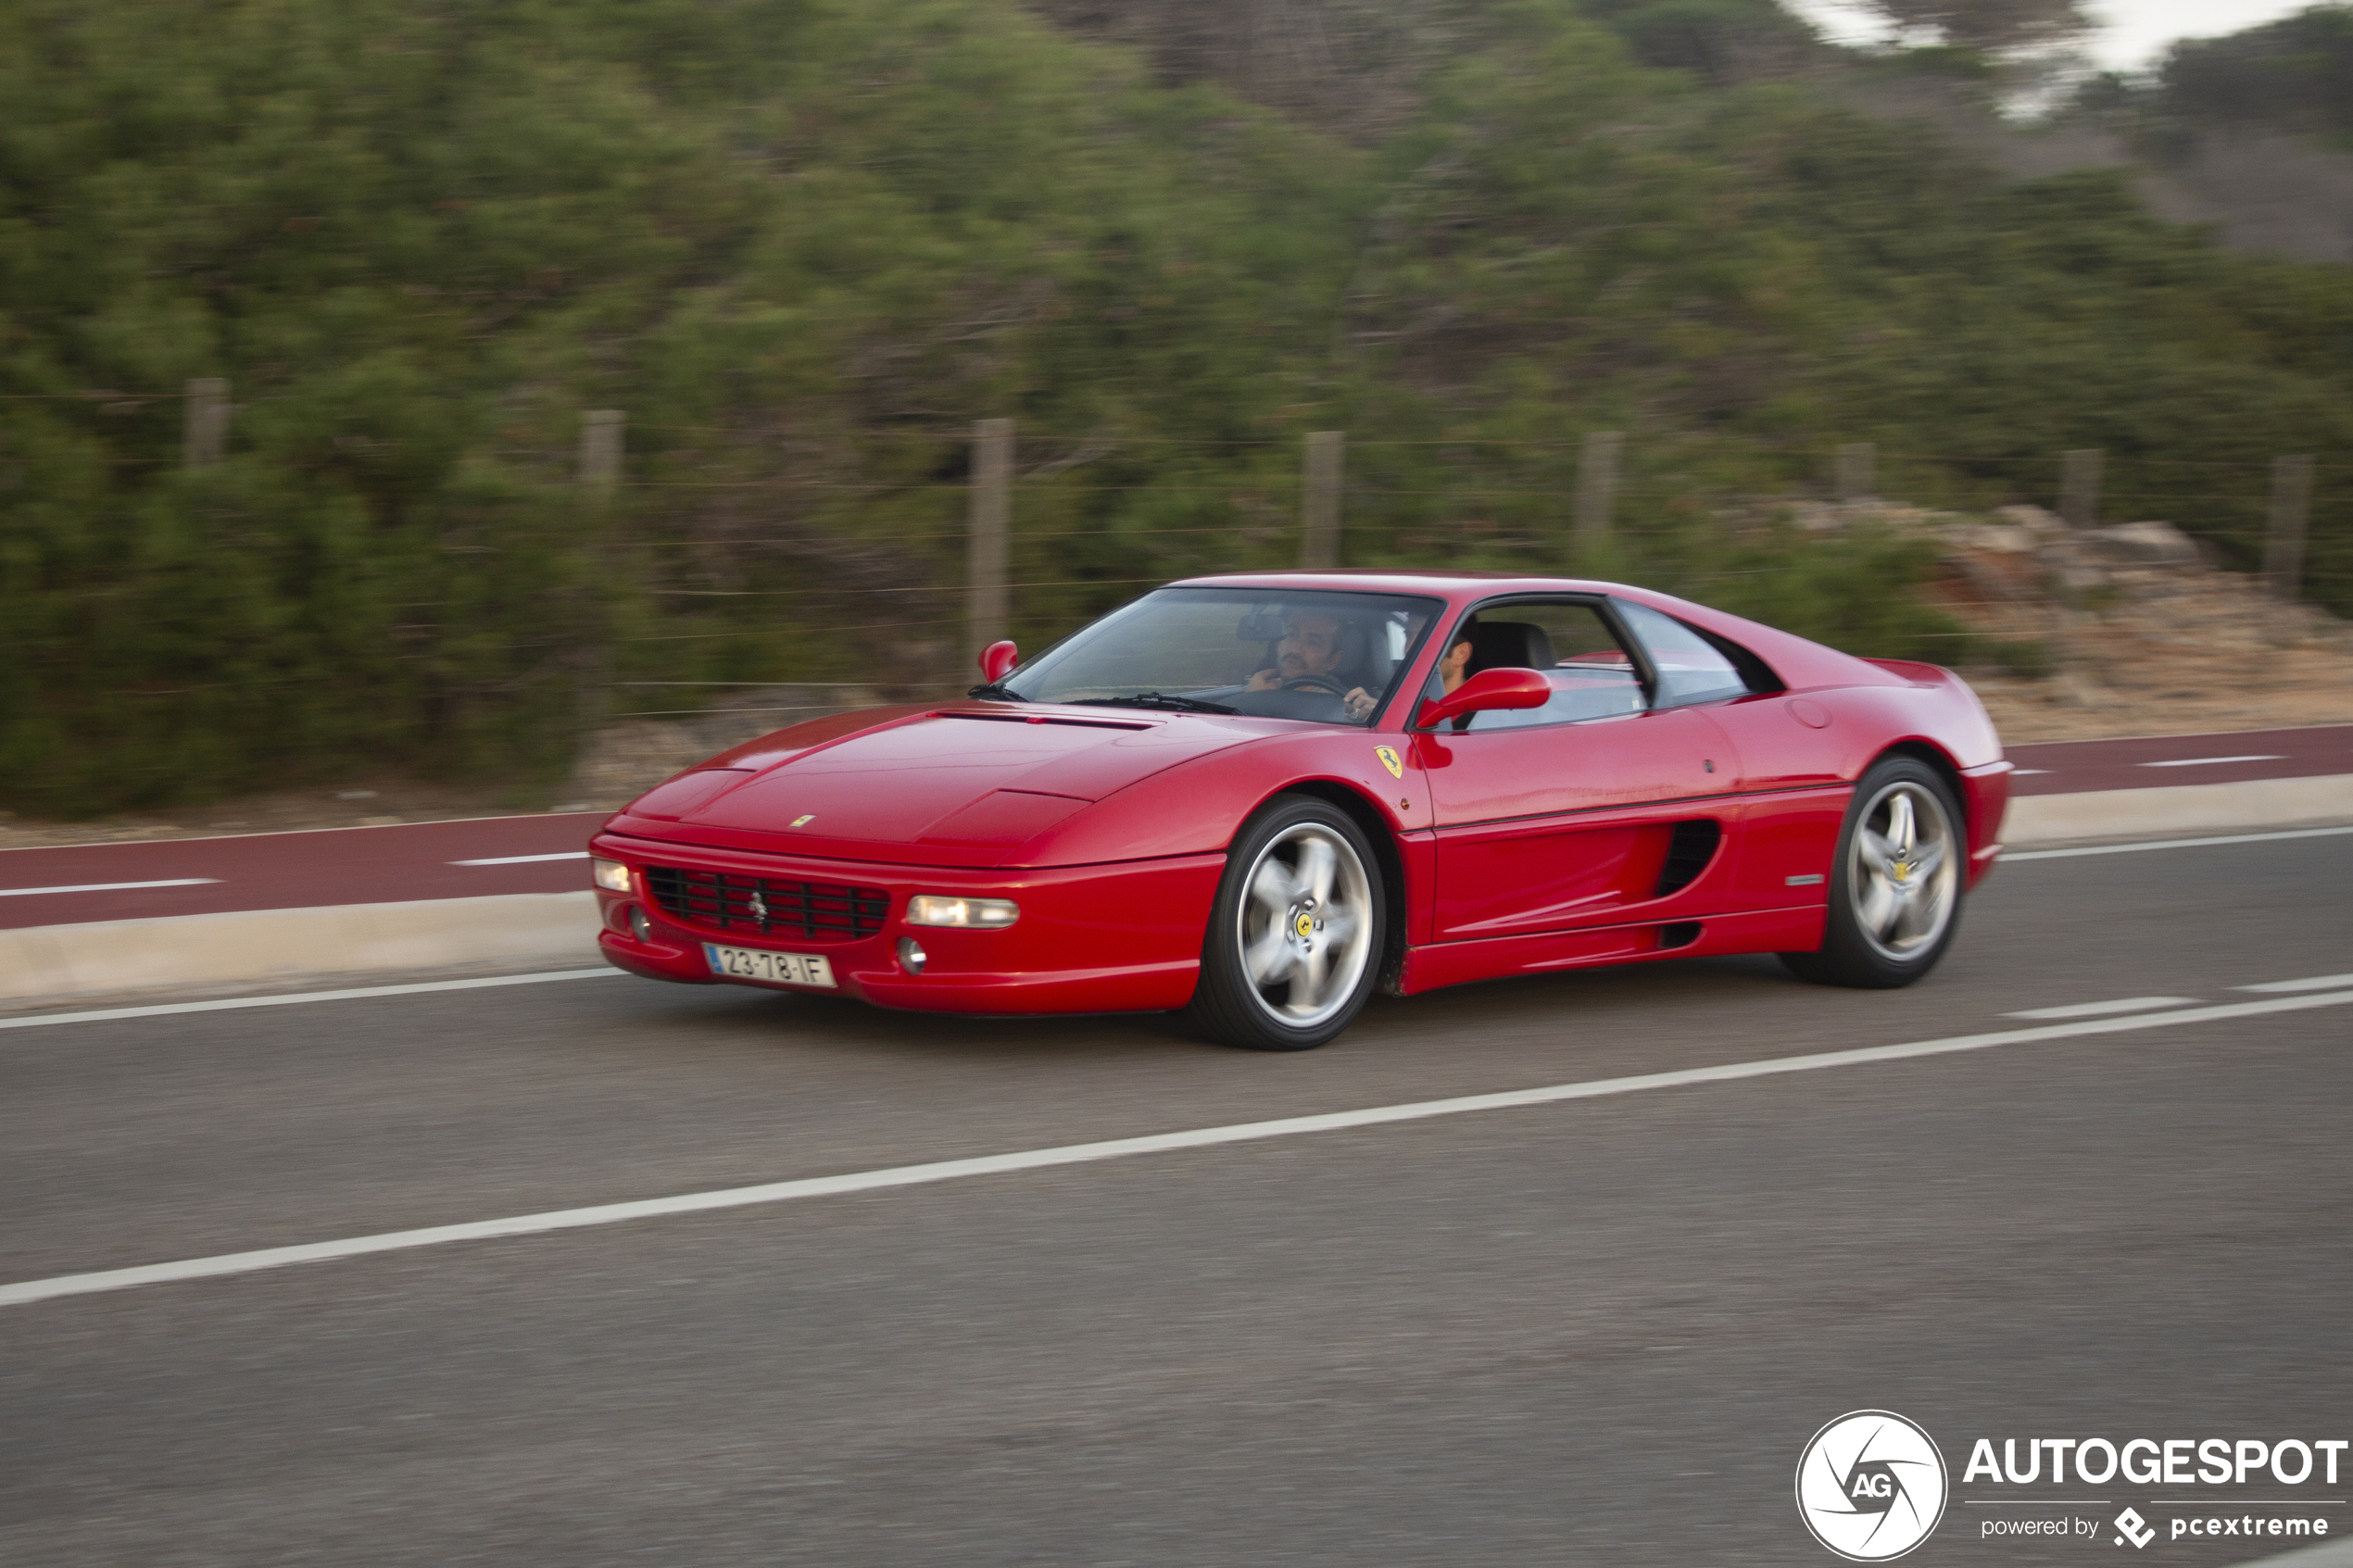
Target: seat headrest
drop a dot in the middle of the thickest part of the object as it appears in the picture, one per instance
(1509, 645)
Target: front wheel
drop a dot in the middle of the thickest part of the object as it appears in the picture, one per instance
(1895, 885)
(1294, 938)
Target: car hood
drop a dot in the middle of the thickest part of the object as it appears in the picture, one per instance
(963, 786)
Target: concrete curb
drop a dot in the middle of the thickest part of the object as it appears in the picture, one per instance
(256, 947)
(2170, 810)
(543, 930)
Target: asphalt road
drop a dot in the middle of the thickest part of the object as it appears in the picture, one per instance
(1597, 1331)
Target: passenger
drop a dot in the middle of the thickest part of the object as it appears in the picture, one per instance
(1451, 669)
(1308, 658)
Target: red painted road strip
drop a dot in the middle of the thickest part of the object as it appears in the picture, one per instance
(2073, 767)
(300, 871)
(295, 870)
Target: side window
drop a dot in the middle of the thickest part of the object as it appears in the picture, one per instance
(1591, 674)
(1691, 669)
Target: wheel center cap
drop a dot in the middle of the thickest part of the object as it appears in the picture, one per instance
(1304, 925)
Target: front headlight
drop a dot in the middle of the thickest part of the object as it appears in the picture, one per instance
(939, 908)
(612, 875)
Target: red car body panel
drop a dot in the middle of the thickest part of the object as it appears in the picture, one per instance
(1515, 851)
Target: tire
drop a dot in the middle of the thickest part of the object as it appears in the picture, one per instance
(1265, 983)
(1895, 883)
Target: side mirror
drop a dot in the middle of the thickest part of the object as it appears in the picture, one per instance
(997, 662)
(1488, 689)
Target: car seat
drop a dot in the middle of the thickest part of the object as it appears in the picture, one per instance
(1509, 645)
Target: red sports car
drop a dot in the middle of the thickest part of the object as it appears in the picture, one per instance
(1255, 797)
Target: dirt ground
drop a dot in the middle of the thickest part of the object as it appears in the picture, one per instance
(2140, 634)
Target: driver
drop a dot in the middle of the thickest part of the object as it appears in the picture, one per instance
(1307, 658)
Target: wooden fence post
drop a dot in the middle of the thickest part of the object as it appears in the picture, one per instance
(985, 608)
(1320, 501)
(599, 474)
(1597, 485)
(2079, 488)
(205, 429)
(2291, 510)
(1858, 471)
(600, 431)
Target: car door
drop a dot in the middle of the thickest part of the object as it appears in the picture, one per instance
(1793, 799)
(1586, 812)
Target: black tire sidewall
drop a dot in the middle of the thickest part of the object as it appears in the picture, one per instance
(1225, 1004)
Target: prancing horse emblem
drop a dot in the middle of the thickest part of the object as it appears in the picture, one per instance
(1389, 759)
(759, 907)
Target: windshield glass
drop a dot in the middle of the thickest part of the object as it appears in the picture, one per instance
(1327, 658)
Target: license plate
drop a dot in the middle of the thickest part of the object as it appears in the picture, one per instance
(782, 969)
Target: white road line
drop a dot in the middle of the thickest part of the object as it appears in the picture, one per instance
(1115, 1148)
(2210, 761)
(2317, 983)
(2127, 1004)
(525, 860)
(2009, 856)
(287, 998)
(108, 886)
(2028, 772)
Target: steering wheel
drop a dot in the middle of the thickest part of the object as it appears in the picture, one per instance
(1314, 684)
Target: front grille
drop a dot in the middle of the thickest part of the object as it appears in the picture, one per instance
(804, 911)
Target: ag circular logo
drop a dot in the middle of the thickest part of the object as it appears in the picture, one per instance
(1871, 1486)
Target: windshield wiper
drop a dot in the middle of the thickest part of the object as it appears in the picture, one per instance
(996, 691)
(1155, 699)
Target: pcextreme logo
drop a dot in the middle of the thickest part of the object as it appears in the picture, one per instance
(1871, 1486)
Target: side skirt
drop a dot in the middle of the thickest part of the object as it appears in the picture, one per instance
(1756, 931)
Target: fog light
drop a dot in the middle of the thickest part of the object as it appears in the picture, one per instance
(612, 875)
(911, 957)
(939, 908)
(639, 926)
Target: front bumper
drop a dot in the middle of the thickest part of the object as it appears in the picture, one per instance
(1123, 937)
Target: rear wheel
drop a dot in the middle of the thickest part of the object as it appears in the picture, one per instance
(1296, 937)
(1895, 885)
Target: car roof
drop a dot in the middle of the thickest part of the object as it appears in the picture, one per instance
(1459, 587)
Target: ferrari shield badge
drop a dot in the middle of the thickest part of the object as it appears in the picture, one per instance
(1388, 756)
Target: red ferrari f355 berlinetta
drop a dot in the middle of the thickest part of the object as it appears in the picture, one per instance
(1255, 797)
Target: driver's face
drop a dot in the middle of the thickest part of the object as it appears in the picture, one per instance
(1310, 646)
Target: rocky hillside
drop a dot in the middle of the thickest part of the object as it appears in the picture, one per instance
(2126, 630)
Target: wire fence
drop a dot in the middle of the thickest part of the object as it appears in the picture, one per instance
(1100, 515)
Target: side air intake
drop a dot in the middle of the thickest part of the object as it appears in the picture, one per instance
(1687, 853)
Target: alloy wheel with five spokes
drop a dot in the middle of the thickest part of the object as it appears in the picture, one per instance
(1293, 948)
(1899, 866)
(1305, 928)
(1896, 880)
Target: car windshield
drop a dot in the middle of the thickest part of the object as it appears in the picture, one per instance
(1275, 653)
